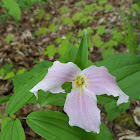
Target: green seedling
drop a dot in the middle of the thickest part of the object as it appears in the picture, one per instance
(9, 38)
(50, 51)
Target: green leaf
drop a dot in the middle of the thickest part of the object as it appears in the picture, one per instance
(96, 38)
(21, 71)
(134, 7)
(5, 99)
(126, 68)
(2, 72)
(113, 110)
(9, 38)
(47, 17)
(23, 83)
(138, 2)
(117, 36)
(79, 3)
(53, 27)
(99, 43)
(8, 67)
(13, 8)
(69, 35)
(54, 126)
(82, 53)
(77, 16)
(64, 9)
(70, 54)
(104, 134)
(67, 86)
(13, 131)
(54, 99)
(67, 20)
(84, 19)
(48, 98)
(58, 40)
(42, 31)
(5, 120)
(107, 52)
(90, 8)
(99, 8)
(50, 51)
(102, 2)
(101, 30)
(110, 44)
(9, 75)
(103, 99)
(63, 47)
(108, 7)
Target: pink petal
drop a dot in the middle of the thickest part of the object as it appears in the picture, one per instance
(57, 75)
(123, 98)
(102, 82)
(82, 110)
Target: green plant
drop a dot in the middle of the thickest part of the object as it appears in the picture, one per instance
(53, 27)
(79, 3)
(77, 16)
(108, 46)
(14, 7)
(21, 71)
(47, 17)
(99, 8)
(67, 20)
(101, 30)
(64, 10)
(5, 120)
(131, 35)
(7, 71)
(63, 47)
(42, 31)
(117, 36)
(134, 8)
(90, 8)
(50, 51)
(24, 4)
(108, 7)
(58, 40)
(102, 2)
(9, 38)
(39, 14)
(53, 124)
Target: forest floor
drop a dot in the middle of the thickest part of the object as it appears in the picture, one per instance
(25, 49)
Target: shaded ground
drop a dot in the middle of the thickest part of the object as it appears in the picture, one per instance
(26, 48)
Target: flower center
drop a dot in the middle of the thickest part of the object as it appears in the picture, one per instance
(80, 81)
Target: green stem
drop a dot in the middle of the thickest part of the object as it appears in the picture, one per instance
(20, 118)
(6, 117)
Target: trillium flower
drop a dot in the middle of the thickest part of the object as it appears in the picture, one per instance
(81, 102)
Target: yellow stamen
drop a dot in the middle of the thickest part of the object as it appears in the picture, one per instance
(81, 77)
(86, 78)
(79, 82)
(76, 85)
